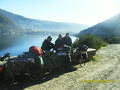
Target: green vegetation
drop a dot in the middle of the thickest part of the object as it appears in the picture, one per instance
(96, 57)
(91, 41)
(8, 32)
(113, 40)
(108, 29)
(7, 27)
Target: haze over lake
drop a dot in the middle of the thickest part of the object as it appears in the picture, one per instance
(22, 44)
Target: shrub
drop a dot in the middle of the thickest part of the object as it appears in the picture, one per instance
(113, 40)
(91, 41)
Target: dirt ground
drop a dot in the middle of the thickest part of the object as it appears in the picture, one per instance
(102, 74)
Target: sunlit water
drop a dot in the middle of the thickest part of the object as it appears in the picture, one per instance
(24, 42)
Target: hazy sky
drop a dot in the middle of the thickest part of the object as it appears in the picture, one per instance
(78, 11)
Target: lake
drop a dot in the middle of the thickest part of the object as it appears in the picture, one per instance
(21, 44)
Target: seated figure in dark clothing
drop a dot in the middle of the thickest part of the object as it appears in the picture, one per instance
(47, 45)
(67, 40)
(59, 42)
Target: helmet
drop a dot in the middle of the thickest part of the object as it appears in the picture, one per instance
(36, 50)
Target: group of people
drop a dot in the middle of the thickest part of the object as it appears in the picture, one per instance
(47, 45)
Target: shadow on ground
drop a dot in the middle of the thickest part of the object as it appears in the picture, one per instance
(24, 83)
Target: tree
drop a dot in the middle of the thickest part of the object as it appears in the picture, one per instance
(91, 41)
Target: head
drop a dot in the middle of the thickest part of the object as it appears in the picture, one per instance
(67, 35)
(49, 38)
(59, 36)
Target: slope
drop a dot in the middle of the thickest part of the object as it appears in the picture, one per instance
(41, 25)
(106, 29)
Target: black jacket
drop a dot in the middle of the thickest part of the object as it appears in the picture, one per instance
(67, 41)
(47, 45)
(58, 43)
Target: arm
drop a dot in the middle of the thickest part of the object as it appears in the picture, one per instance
(44, 44)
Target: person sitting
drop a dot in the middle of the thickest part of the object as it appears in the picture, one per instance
(67, 40)
(58, 43)
(47, 45)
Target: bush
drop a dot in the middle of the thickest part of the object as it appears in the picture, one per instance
(91, 41)
(113, 40)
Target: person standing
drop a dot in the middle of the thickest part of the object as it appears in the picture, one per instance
(67, 40)
(59, 42)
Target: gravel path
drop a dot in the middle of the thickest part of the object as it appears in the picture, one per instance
(102, 74)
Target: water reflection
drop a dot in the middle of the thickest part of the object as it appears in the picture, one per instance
(17, 45)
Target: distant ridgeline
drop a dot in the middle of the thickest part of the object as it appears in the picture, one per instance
(7, 27)
(107, 30)
(32, 25)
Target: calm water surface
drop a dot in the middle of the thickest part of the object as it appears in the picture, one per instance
(23, 43)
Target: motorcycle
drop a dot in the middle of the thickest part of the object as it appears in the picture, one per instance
(35, 63)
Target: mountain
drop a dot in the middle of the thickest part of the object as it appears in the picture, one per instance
(7, 27)
(33, 25)
(105, 29)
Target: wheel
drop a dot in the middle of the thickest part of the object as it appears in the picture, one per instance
(34, 76)
(34, 72)
(8, 77)
(48, 67)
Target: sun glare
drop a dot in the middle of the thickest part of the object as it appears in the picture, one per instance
(107, 9)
